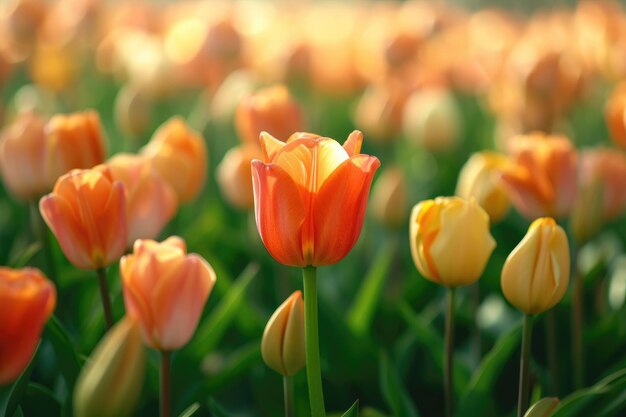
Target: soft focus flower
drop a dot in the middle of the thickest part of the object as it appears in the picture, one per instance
(86, 211)
(379, 111)
(165, 289)
(541, 179)
(73, 141)
(150, 201)
(282, 346)
(536, 274)
(110, 382)
(179, 155)
(450, 240)
(132, 111)
(310, 195)
(389, 198)
(615, 114)
(22, 155)
(480, 178)
(27, 300)
(271, 110)
(234, 175)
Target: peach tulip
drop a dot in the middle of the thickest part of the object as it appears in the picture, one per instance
(179, 155)
(150, 201)
(310, 195)
(87, 213)
(27, 299)
(165, 289)
(541, 180)
(234, 173)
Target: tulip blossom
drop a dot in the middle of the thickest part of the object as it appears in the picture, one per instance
(150, 201)
(87, 213)
(310, 195)
(541, 180)
(27, 299)
(165, 289)
(282, 346)
(615, 114)
(179, 155)
(535, 275)
(234, 173)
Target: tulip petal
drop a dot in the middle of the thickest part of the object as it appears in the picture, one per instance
(270, 146)
(293, 349)
(352, 145)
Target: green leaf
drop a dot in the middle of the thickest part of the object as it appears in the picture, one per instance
(23, 257)
(477, 400)
(10, 401)
(217, 410)
(372, 412)
(212, 330)
(67, 357)
(235, 365)
(543, 407)
(40, 401)
(191, 410)
(353, 411)
(393, 390)
(362, 310)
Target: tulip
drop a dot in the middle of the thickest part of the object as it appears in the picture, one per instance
(271, 110)
(450, 240)
(541, 180)
(151, 201)
(27, 299)
(310, 195)
(165, 289)
(389, 198)
(86, 211)
(615, 114)
(179, 155)
(480, 179)
(110, 382)
(234, 173)
(282, 347)
(132, 111)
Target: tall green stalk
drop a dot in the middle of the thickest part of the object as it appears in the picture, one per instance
(522, 402)
(104, 296)
(448, 370)
(288, 395)
(165, 384)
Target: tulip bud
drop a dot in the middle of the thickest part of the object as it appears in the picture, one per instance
(283, 347)
(450, 240)
(110, 382)
(389, 198)
(480, 178)
(234, 175)
(536, 274)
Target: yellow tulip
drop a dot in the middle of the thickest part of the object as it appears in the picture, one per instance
(536, 274)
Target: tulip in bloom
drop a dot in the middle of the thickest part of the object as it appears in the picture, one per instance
(450, 240)
(389, 198)
(310, 195)
(27, 299)
(480, 179)
(283, 347)
(150, 201)
(87, 213)
(535, 275)
(179, 155)
(541, 180)
(110, 382)
(234, 173)
(165, 289)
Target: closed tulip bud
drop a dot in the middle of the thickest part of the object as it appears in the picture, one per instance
(86, 211)
(27, 299)
(73, 141)
(22, 157)
(480, 179)
(389, 198)
(450, 240)
(270, 110)
(234, 175)
(166, 290)
(179, 154)
(536, 274)
(110, 382)
(150, 201)
(283, 347)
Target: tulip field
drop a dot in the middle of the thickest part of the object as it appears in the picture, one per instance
(332, 208)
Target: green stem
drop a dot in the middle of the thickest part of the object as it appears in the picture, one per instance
(552, 352)
(42, 233)
(288, 394)
(476, 339)
(104, 295)
(165, 384)
(448, 369)
(313, 370)
(522, 402)
(577, 327)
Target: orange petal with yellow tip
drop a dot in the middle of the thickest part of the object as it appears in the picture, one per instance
(352, 145)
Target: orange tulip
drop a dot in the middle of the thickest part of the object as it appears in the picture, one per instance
(310, 195)
(615, 114)
(87, 213)
(234, 173)
(165, 289)
(73, 141)
(541, 180)
(150, 201)
(269, 110)
(179, 155)
(27, 299)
